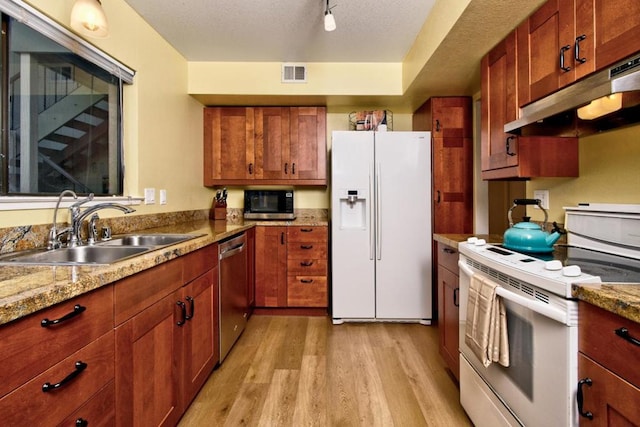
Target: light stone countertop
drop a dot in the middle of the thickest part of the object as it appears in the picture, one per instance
(27, 289)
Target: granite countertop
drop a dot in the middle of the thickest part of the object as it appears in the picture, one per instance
(618, 298)
(453, 239)
(27, 289)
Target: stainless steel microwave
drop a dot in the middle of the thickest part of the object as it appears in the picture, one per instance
(268, 204)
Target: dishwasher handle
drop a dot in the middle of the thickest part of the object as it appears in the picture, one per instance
(231, 247)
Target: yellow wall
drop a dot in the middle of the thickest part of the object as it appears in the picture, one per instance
(609, 173)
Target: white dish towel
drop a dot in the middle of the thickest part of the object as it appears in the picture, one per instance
(486, 327)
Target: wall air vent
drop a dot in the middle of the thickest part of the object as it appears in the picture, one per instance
(294, 73)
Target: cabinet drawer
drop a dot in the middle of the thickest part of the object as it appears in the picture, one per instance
(135, 293)
(599, 341)
(448, 257)
(29, 405)
(199, 262)
(99, 411)
(27, 348)
(307, 250)
(308, 234)
(307, 291)
(307, 267)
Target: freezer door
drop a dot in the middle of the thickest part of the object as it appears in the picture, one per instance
(403, 209)
(352, 240)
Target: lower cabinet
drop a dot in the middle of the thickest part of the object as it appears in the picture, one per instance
(448, 306)
(291, 266)
(167, 348)
(609, 380)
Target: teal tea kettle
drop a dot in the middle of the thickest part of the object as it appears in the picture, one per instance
(528, 236)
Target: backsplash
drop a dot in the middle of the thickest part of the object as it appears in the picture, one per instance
(26, 237)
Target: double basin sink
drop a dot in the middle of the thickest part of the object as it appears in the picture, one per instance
(101, 253)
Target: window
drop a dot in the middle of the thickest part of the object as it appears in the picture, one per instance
(63, 112)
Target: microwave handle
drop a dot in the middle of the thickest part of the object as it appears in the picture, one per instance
(536, 306)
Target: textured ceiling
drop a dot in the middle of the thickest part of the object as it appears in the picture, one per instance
(367, 31)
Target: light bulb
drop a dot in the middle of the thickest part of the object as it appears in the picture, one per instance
(329, 21)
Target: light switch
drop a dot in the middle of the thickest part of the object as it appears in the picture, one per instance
(149, 196)
(543, 195)
(163, 197)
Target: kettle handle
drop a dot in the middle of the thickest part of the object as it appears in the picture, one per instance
(522, 202)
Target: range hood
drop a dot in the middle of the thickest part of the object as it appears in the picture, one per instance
(623, 77)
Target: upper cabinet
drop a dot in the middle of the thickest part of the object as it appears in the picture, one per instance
(265, 145)
(506, 156)
(564, 40)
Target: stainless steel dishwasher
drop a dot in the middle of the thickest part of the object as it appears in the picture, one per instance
(234, 309)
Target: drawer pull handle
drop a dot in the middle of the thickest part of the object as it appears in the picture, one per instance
(183, 311)
(563, 49)
(624, 333)
(79, 367)
(306, 280)
(306, 263)
(306, 246)
(81, 422)
(192, 303)
(448, 250)
(456, 291)
(580, 398)
(306, 230)
(77, 309)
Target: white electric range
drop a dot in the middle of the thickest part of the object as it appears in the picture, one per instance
(539, 386)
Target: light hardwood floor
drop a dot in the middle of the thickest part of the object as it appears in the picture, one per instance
(304, 371)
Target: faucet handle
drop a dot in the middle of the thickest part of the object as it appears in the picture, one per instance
(81, 202)
(92, 229)
(106, 233)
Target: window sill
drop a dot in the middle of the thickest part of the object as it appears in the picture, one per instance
(19, 203)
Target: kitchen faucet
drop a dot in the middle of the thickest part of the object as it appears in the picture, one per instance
(54, 236)
(77, 217)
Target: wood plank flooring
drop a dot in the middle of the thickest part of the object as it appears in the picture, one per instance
(304, 371)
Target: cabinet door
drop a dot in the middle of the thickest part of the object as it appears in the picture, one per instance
(617, 28)
(451, 117)
(498, 105)
(272, 143)
(148, 352)
(448, 307)
(271, 266)
(612, 401)
(228, 145)
(200, 332)
(543, 39)
(308, 144)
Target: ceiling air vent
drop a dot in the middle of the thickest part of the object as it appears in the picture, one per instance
(294, 73)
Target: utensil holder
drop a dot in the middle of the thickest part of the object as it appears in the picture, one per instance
(220, 213)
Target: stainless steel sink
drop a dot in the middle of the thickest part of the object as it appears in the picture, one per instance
(117, 249)
(148, 240)
(80, 255)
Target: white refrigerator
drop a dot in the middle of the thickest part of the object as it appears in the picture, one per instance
(381, 226)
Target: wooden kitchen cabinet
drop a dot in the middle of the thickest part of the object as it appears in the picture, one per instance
(165, 338)
(307, 254)
(271, 266)
(228, 145)
(32, 355)
(291, 266)
(564, 41)
(251, 268)
(612, 389)
(450, 122)
(265, 145)
(507, 156)
(448, 306)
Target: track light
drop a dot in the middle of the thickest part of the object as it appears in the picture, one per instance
(88, 18)
(329, 20)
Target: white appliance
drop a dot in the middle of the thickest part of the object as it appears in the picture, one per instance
(381, 226)
(539, 388)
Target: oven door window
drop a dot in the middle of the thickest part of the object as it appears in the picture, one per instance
(520, 368)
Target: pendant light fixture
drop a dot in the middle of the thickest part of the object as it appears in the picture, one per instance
(88, 18)
(329, 20)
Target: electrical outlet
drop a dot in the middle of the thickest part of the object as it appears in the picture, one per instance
(543, 195)
(149, 196)
(163, 197)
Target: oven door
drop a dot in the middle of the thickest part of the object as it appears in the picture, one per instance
(538, 387)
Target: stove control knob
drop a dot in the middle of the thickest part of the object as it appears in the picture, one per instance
(571, 271)
(554, 265)
(472, 240)
(480, 242)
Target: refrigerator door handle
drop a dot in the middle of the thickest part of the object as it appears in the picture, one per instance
(370, 212)
(378, 218)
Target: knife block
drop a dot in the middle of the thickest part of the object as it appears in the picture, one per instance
(220, 213)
